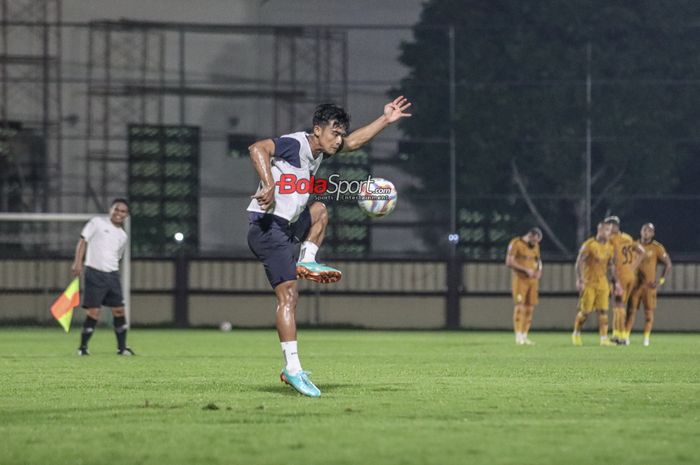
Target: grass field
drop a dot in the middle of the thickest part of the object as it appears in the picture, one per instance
(207, 397)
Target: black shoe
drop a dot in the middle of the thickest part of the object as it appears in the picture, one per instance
(82, 351)
(126, 351)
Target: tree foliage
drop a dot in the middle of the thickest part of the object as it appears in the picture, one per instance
(521, 101)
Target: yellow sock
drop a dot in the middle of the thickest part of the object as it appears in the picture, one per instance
(647, 335)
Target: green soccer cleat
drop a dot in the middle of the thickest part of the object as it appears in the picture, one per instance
(318, 272)
(301, 383)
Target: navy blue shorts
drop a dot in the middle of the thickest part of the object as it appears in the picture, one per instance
(275, 242)
(102, 288)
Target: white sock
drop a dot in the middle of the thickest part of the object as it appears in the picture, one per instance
(308, 252)
(603, 338)
(577, 333)
(519, 337)
(291, 357)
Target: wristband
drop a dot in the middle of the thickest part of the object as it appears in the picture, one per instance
(662, 281)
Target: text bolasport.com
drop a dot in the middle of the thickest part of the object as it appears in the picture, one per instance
(333, 187)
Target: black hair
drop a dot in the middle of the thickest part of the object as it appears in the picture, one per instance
(327, 112)
(119, 200)
(536, 231)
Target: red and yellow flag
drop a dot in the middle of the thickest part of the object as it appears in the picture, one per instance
(62, 308)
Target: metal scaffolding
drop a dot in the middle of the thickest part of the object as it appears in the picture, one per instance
(31, 105)
(325, 51)
(121, 74)
(120, 59)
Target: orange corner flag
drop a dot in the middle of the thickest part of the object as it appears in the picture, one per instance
(62, 308)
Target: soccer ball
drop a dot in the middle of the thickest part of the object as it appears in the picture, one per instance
(225, 326)
(377, 198)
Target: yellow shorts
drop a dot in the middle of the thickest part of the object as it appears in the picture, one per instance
(594, 298)
(644, 294)
(627, 284)
(525, 291)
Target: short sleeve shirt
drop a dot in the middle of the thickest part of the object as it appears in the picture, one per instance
(293, 160)
(595, 265)
(524, 255)
(105, 244)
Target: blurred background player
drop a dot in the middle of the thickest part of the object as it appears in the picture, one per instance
(594, 262)
(523, 257)
(280, 220)
(647, 284)
(627, 255)
(104, 239)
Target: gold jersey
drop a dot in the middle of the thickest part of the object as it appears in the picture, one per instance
(653, 251)
(624, 253)
(524, 255)
(595, 263)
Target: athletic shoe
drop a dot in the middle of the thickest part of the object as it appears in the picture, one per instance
(318, 272)
(576, 340)
(646, 342)
(607, 343)
(300, 382)
(528, 342)
(616, 340)
(126, 352)
(624, 342)
(82, 351)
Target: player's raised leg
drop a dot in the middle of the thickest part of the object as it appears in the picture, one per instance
(307, 267)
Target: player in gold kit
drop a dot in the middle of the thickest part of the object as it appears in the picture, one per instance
(594, 262)
(627, 254)
(647, 283)
(523, 258)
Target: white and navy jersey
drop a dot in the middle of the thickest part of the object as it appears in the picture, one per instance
(105, 244)
(292, 156)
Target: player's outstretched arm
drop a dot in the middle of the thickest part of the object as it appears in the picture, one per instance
(261, 154)
(393, 111)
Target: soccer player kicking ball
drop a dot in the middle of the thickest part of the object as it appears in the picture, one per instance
(523, 258)
(645, 292)
(594, 261)
(627, 255)
(280, 219)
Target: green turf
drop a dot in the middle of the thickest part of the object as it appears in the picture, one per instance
(207, 397)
